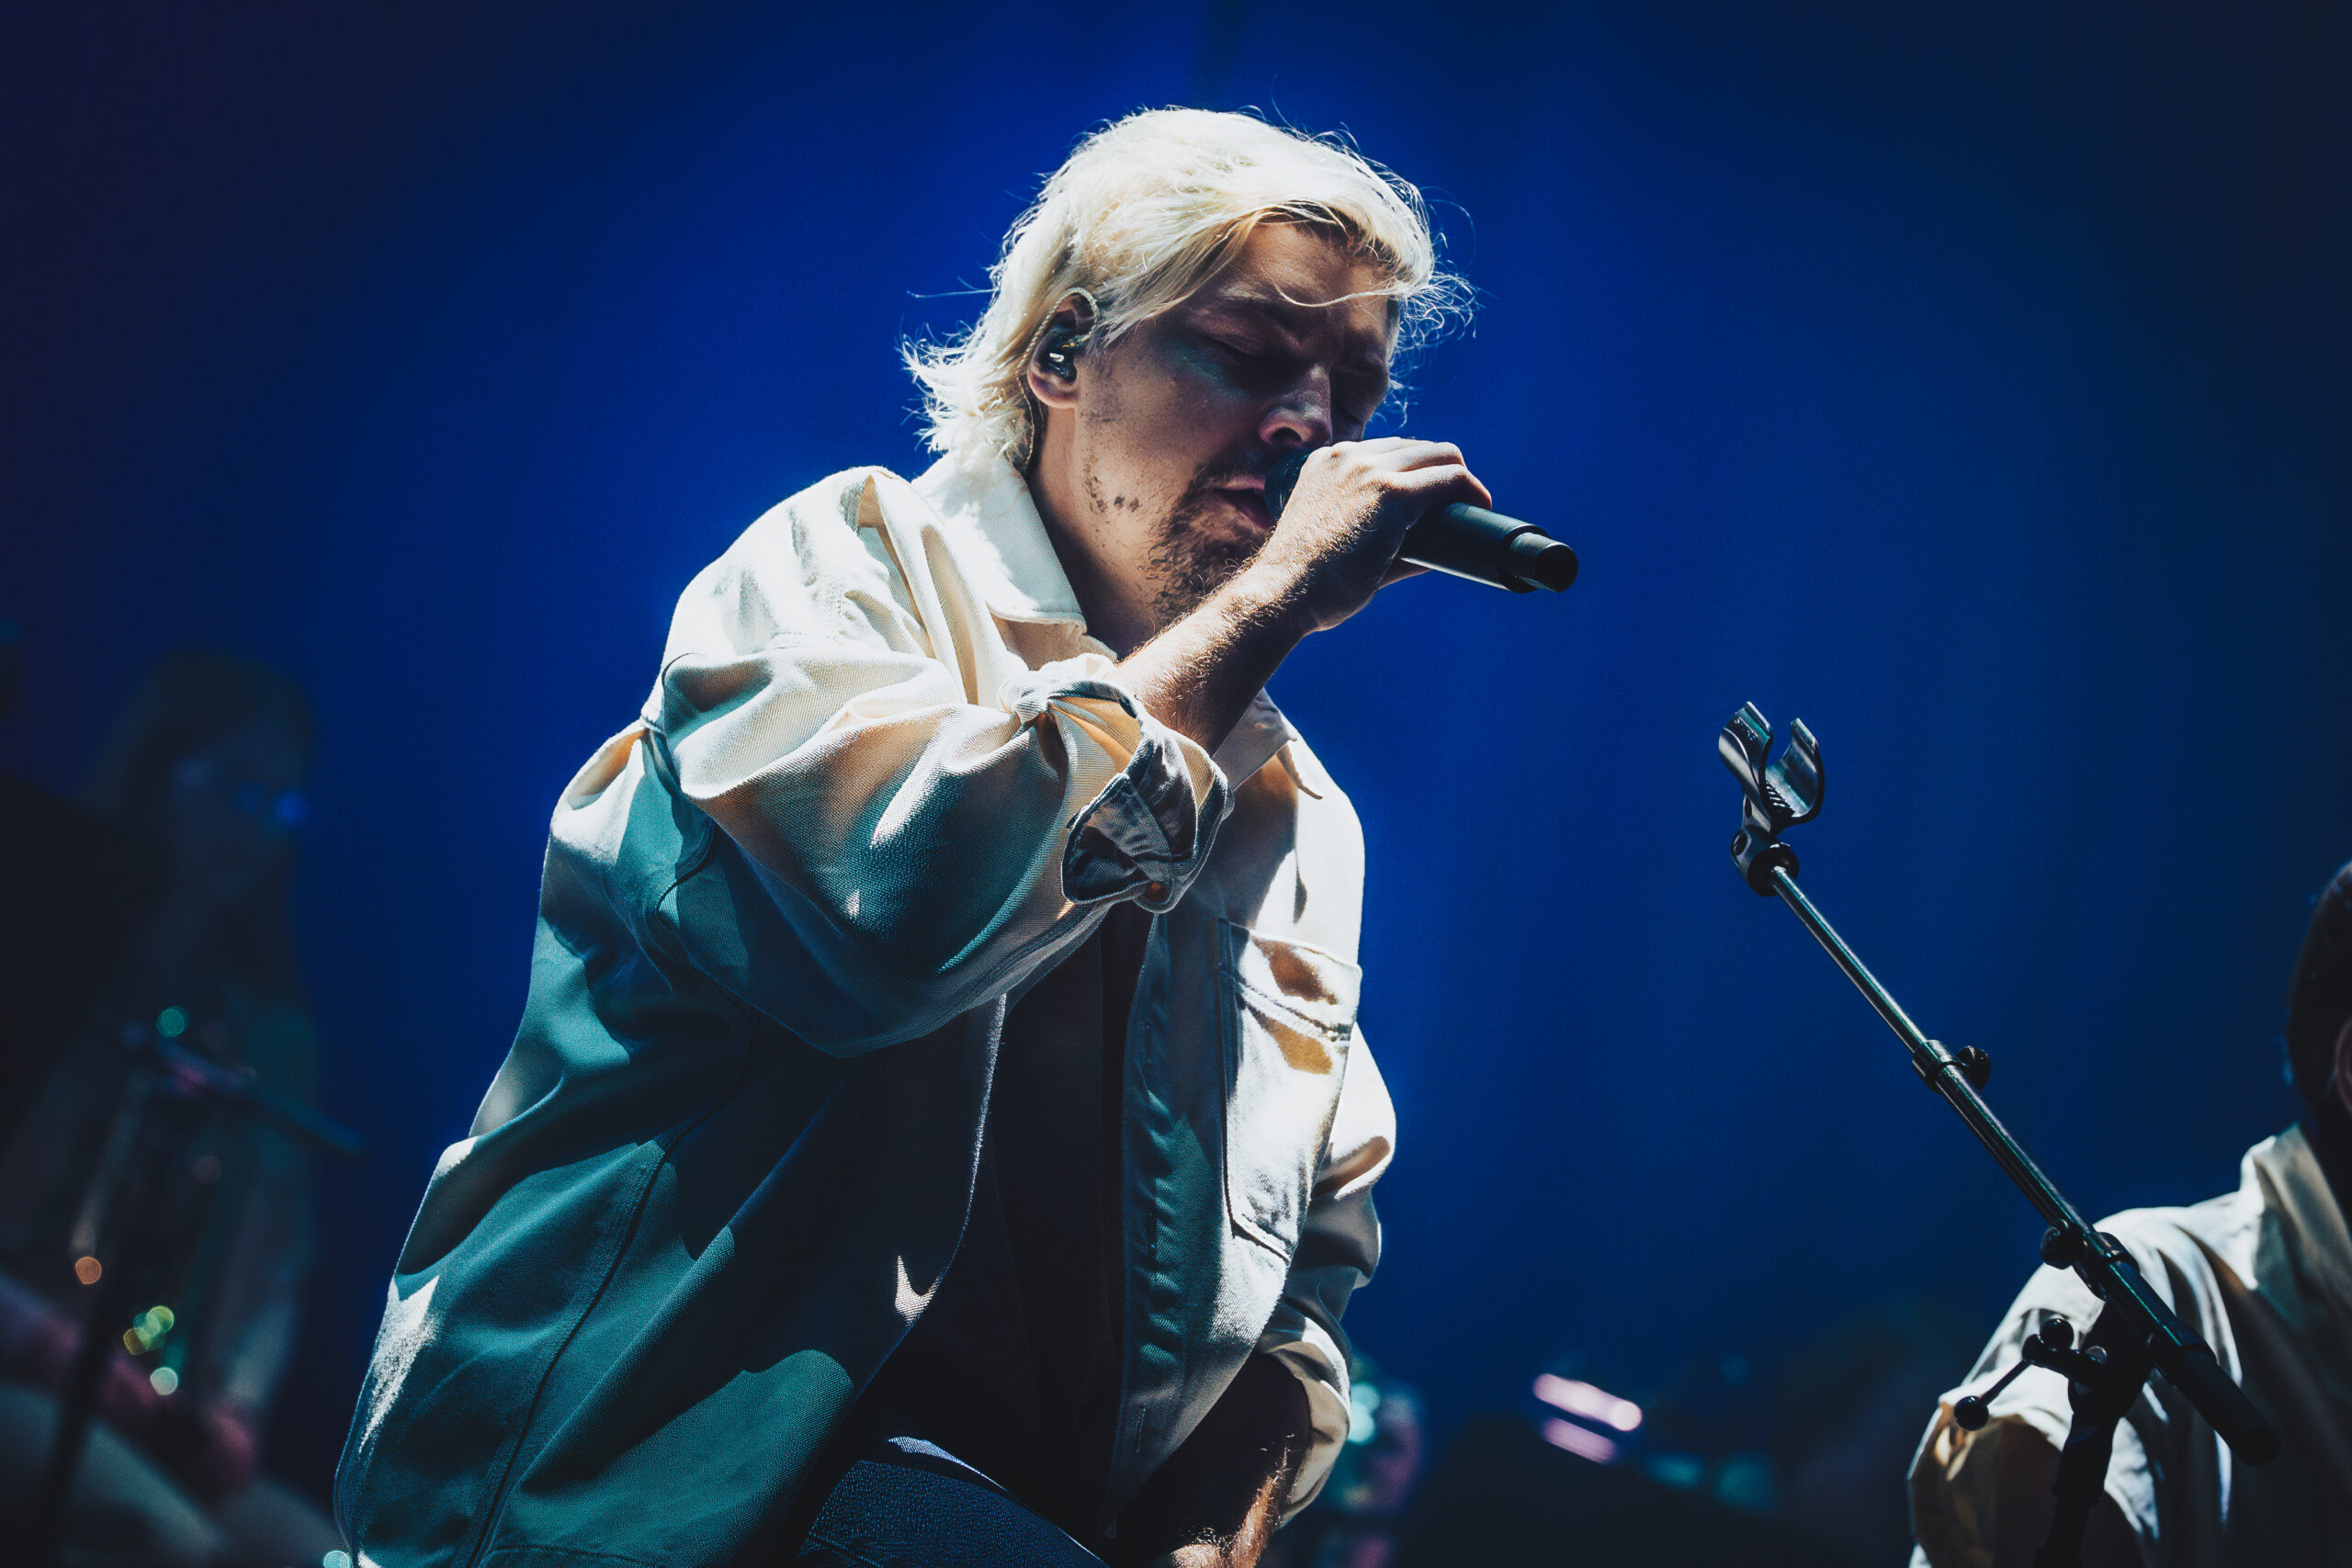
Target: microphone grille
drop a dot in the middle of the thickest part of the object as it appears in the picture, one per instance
(1281, 479)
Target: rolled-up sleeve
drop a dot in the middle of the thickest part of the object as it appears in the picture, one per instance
(925, 817)
(1147, 829)
(1339, 1247)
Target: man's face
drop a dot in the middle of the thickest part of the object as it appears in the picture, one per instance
(1152, 465)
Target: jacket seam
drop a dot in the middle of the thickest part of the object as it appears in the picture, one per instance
(667, 776)
(502, 1487)
(608, 1267)
(1336, 1033)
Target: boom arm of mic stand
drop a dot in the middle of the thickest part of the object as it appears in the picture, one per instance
(1780, 796)
(296, 1121)
(2186, 1360)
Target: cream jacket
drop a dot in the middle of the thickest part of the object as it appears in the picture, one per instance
(885, 780)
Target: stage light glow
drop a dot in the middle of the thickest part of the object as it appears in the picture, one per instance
(1581, 1441)
(1364, 1406)
(1592, 1403)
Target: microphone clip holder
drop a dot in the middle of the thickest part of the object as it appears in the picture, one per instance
(2136, 1334)
(1774, 797)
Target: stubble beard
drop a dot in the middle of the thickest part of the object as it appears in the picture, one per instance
(1188, 561)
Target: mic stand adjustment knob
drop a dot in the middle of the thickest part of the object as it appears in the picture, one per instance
(2051, 1346)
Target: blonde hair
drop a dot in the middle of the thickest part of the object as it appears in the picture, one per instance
(1143, 213)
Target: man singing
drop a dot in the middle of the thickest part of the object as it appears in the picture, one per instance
(939, 1131)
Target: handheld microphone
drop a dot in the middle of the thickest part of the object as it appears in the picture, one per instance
(1466, 541)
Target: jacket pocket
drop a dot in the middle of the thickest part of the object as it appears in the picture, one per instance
(1290, 1015)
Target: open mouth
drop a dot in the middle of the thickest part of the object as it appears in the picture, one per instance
(1249, 500)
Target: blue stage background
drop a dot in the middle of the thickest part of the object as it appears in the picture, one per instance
(1971, 384)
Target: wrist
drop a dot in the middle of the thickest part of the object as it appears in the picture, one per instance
(1272, 597)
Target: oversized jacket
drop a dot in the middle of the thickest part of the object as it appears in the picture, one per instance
(885, 781)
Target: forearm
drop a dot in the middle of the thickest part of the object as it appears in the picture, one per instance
(1215, 1501)
(1199, 676)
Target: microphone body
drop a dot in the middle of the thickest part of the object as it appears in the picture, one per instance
(1466, 541)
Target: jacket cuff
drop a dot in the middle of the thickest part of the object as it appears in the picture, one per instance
(1147, 831)
(1317, 1358)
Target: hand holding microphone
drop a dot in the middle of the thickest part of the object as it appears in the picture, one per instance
(1360, 510)
(1461, 539)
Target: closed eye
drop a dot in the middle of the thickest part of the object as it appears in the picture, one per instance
(1256, 368)
(1358, 394)
(1361, 396)
(1247, 354)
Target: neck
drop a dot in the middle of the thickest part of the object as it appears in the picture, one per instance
(1116, 613)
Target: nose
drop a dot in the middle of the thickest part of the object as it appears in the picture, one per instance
(1301, 416)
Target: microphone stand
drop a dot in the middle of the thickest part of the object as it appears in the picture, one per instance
(167, 1107)
(2135, 1333)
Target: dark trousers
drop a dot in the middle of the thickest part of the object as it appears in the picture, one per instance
(888, 1499)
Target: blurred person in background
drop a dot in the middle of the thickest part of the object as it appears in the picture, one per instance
(2265, 1275)
(208, 763)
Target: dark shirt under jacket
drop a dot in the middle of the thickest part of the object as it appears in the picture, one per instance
(1015, 1366)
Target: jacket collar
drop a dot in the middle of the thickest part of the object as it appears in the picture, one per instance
(1261, 732)
(1017, 573)
(2283, 1177)
(987, 504)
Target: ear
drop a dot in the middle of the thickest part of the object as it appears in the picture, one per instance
(1056, 357)
(2339, 1082)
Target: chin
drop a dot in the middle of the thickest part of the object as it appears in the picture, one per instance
(1192, 566)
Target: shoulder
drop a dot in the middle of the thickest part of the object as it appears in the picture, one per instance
(2194, 1243)
(2169, 1234)
(803, 567)
(2164, 1243)
(809, 539)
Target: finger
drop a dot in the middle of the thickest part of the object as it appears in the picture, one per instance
(1444, 485)
(1439, 464)
(1396, 454)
